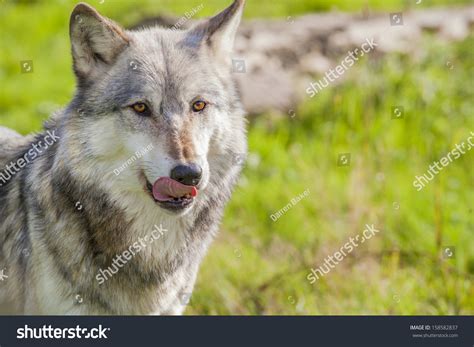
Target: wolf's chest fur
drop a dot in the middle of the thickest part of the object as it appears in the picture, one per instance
(67, 232)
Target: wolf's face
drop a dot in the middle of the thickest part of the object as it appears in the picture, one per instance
(156, 108)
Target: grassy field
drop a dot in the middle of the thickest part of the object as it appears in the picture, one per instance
(258, 266)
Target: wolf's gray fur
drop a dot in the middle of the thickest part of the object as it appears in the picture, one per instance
(65, 215)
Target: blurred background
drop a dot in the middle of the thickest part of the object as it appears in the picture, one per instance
(393, 113)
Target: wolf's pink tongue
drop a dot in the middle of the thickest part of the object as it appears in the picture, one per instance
(165, 189)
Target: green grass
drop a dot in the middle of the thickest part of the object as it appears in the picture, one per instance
(400, 270)
(257, 266)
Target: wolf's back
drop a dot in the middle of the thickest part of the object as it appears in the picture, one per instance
(10, 141)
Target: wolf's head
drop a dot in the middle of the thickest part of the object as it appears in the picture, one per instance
(156, 113)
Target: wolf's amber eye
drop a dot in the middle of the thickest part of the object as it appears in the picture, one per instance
(140, 107)
(199, 106)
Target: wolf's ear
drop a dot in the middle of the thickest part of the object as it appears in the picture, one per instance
(96, 41)
(218, 32)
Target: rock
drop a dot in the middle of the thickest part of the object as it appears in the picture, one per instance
(266, 89)
(315, 63)
(454, 30)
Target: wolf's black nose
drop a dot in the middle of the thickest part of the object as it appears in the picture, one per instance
(189, 174)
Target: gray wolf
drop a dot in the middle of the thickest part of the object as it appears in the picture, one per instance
(160, 107)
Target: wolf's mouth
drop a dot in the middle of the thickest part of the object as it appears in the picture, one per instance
(171, 194)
